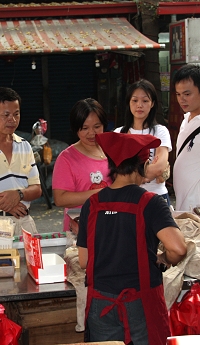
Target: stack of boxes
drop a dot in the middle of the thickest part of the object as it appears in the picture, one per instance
(9, 257)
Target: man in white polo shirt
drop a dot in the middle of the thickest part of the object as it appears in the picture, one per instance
(186, 170)
(19, 177)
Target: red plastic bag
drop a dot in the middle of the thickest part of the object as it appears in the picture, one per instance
(9, 330)
(184, 316)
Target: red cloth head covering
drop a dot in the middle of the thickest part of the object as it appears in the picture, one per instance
(121, 146)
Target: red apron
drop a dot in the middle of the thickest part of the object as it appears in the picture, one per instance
(152, 298)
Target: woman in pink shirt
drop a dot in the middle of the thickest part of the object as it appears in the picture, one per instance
(82, 168)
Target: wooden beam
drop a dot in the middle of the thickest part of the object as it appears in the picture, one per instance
(165, 8)
(67, 10)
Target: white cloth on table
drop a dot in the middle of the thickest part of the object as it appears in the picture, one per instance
(76, 276)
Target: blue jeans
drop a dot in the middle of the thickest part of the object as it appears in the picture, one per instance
(166, 198)
(109, 327)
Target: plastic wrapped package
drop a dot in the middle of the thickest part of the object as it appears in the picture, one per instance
(9, 331)
(184, 316)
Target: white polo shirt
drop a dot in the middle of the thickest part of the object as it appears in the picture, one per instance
(22, 170)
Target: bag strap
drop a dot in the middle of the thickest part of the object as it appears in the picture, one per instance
(190, 137)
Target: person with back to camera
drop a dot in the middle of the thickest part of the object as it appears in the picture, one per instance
(186, 171)
(119, 231)
(140, 118)
(82, 168)
(19, 177)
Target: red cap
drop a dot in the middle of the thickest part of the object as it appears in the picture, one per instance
(121, 146)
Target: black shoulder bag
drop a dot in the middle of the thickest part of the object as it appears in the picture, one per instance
(190, 137)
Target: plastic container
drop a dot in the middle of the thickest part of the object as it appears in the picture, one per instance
(7, 271)
(6, 242)
(12, 254)
(49, 245)
(7, 226)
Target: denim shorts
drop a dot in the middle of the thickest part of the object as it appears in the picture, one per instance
(110, 328)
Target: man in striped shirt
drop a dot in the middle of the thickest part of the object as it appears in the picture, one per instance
(19, 176)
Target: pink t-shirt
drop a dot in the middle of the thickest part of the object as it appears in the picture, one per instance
(74, 171)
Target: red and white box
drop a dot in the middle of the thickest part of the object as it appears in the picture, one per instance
(43, 268)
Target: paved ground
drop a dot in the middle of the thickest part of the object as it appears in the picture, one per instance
(47, 220)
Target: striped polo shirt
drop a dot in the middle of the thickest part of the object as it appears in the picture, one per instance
(22, 170)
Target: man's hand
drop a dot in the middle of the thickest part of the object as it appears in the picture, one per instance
(74, 226)
(19, 211)
(8, 200)
(161, 260)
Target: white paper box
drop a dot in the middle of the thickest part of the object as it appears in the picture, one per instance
(184, 340)
(54, 270)
(43, 268)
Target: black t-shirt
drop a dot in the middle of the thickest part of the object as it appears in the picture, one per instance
(116, 263)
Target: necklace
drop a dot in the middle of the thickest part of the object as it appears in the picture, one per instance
(101, 154)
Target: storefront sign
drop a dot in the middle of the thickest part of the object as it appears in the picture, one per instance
(177, 43)
(184, 41)
(165, 81)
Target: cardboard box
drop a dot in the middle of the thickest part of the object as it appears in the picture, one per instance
(54, 270)
(43, 268)
(12, 254)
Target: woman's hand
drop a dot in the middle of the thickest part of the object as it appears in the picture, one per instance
(165, 175)
(157, 167)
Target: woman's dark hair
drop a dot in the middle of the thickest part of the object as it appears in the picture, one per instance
(7, 94)
(150, 90)
(82, 109)
(127, 167)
